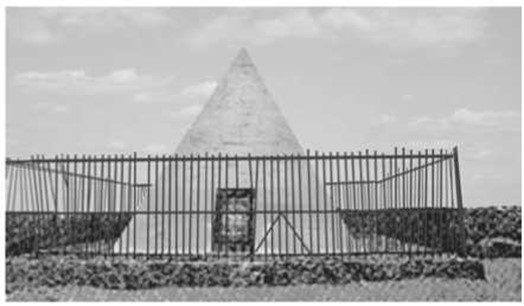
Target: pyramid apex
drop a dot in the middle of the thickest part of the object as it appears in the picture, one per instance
(242, 59)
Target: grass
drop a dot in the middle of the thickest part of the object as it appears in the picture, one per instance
(503, 284)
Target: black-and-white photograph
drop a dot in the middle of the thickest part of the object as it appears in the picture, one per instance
(171, 153)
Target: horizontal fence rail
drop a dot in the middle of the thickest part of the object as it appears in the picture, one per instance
(236, 206)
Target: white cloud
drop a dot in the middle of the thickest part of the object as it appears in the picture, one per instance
(52, 108)
(505, 120)
(156, 148)
(384, 119)
(154, 97)
(407, 97)
(118, 145)
(482, 154)
(298, 23)
(41, 26)
(187, 112)
(491, 119)
(202, 90)
(392, 27)
(480, 176)
(106, 18)
(242, 27)
(409, 27)
(79, 82)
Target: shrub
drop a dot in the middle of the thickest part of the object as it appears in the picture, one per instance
(122, 273)
(27, 233)
(489, 231)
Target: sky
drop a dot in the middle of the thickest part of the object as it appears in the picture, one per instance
(121, 80)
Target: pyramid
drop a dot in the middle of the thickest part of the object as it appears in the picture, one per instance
(240, 118)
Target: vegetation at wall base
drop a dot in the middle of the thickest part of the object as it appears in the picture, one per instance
(490, 232)
(26, 233)
(133, 274)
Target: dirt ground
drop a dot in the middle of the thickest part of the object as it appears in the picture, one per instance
(503, 284)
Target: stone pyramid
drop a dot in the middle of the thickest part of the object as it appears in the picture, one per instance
(240, 118)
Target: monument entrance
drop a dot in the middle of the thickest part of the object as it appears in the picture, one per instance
(233, 226)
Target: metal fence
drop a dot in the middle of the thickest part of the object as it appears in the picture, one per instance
(246, 206)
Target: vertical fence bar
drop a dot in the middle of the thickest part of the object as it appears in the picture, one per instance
(212, 208)
(206, 206)
(177, 215)
(375, 215)
(250, 208)
(156, 181)
(279, 208)
(353, 205)
(253, 211)
(130, 209)
(182, 215)
(38, 197)
(302, 207)
(347, 206)
(426, 211)
(419, 202)
(441, 203)
(163, 169)
(339, 209)
(368, 206)
(39, 204)
(108, 209)
(362, 201)
(389, 206)
(88, 197)
(148, 213)
(30, 208)
(433, 219)
(286, 199)
(190, 215)
(292, 185)
(317, 208)
(396, 202)
(198, 208)
(101, 200)
(35, 208)
(462, 248)
(75, 197)
(170, 204)
(272, 205)
(324, 204)
(23, 201)
(93, 244)
(452, 204)
(135, 161)
(43, 191)
(406, 227)
(310, 200)
(333, 239)
(384, 199)
(413, 212)
(123, 213)
(218, 213)
(264, 183)
(227, 206)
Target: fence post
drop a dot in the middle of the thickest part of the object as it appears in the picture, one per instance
(462, 248)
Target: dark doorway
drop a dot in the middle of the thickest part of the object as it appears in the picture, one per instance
(233, 225)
